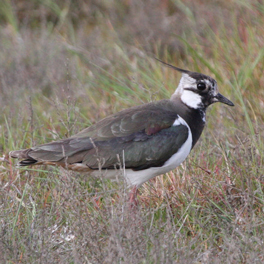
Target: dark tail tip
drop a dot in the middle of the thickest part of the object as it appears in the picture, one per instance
(27, 162)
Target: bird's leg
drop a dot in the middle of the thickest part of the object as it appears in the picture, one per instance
(133, 197)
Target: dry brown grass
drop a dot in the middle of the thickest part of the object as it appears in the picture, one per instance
(64, 66)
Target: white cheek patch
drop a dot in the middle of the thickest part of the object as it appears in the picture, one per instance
(191, 99)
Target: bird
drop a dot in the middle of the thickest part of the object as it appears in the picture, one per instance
(143, 141)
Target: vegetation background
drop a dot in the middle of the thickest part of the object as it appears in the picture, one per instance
(66, 64)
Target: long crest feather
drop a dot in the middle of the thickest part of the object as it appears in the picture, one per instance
(173, 67)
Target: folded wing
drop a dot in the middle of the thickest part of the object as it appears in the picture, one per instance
(139, 138)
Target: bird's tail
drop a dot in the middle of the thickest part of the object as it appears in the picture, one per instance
(23, 155)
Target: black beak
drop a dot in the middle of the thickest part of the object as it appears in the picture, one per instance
(220, 98)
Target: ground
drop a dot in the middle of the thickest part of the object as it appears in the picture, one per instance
(65, 65)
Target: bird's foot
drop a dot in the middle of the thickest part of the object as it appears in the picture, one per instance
(133, 203)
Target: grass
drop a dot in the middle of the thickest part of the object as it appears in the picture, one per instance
(65, 66)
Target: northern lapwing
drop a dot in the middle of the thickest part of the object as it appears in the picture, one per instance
(145, 140)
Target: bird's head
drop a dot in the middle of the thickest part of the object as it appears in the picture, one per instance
(197, 90)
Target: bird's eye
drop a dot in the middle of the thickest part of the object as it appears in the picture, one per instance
(201, 86)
